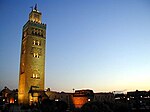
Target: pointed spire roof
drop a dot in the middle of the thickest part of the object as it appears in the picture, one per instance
(35, 8)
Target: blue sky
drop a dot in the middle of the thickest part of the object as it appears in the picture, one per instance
(97, 44)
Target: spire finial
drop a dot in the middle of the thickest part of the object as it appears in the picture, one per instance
(35, 8)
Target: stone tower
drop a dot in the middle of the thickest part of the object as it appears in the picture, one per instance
(32, 59)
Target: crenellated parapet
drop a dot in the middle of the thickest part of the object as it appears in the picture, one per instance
(34, 23)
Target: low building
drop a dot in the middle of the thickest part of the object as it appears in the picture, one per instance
(60, 96)
(104, 97)
(80, 97)
(9, 96)
(74, 100)
(36, 95)
(139, 100)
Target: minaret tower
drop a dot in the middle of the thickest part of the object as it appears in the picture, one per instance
(32, 59)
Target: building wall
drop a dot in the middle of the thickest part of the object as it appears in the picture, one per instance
(8, 96)
(52, 95)
(80, 97)
(79, 101)
(104, 97)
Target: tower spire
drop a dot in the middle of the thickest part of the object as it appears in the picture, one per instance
(35, 15)
(32, 59)
(35, 8)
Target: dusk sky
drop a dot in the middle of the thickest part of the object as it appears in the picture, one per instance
(103, 45)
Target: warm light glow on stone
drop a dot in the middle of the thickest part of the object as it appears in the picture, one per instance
(34, 42)
(33, 75)
(79, 101)
(11, 100)
(38, 43)
(32, 64)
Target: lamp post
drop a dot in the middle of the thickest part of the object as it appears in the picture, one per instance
(73, 90)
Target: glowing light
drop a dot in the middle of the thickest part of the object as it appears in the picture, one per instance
(117, 98)
(11, 100)
(38, 43)
(36, 75)
(33, 75)
(56, 100)
(79, 101)
(34, 55)
(34, 42)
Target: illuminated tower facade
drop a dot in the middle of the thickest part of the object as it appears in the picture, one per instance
(32, 59)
